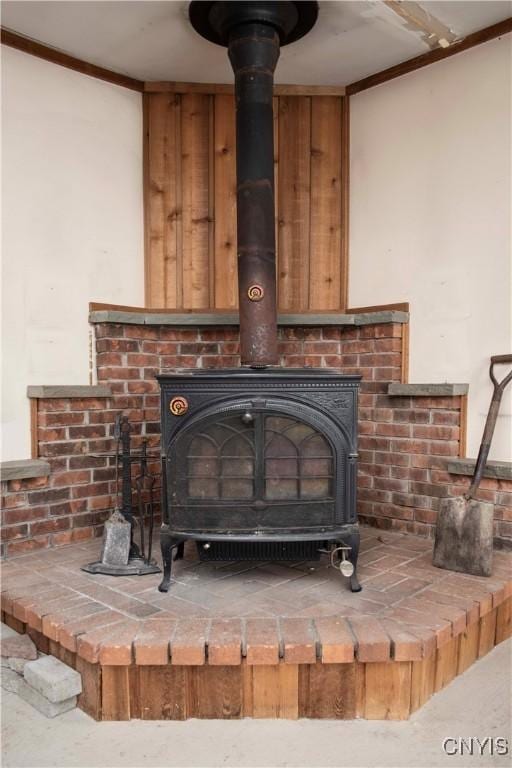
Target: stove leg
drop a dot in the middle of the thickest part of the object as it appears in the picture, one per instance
(353, 541)
(167, 544)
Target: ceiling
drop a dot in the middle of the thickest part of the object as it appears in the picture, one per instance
(154, 40)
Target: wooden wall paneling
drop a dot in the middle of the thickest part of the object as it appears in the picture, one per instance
(275, 110)
(225, 261)
(468, 647)
(115, 693)
(195, 140)
(90, 698)
(162, 692)
(345, 201)
(162, 257)
(487, 633)
(388, 690)
(294, 201)
(214, 692)
(422, 681)
(327, 691)
(446, 663)
(275, 691)
(504, 621)
(325, 219)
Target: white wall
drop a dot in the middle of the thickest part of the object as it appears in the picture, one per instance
(72, 224)
(431, 218)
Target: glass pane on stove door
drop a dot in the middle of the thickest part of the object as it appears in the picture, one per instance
(298, 461)
(220, 460)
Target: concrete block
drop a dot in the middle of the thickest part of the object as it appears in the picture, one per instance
(54, 680)
(41, 703)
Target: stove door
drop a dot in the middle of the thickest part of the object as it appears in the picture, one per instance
(248, 470)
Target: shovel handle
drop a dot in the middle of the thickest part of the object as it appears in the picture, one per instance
(490, 423)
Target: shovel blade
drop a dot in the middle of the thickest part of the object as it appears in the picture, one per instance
(464, 536)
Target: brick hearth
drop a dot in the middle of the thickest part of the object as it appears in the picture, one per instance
(123, 635)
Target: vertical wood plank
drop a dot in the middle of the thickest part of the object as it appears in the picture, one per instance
(487, 633)
(226, 278)
(247, 689)
(327, 691)
(325, 230)
(275, 691)
(294, 201)
(504, 621)
(275, 113)
(422, 681)
(90, 699)
(146, 98)
(446, 663)
(404, 375)
(161, 263)
(214, 692)
(345, 200)
(195, 136)
(115, 693)
(468, 647)
(388, 690)
(162, 692)
(34, 443)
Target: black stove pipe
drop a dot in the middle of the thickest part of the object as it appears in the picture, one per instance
(253, 33)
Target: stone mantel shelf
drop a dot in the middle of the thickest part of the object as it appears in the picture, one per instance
(396, 389)
(231, 318)
(501, 470)
(57, 391)
(23, 469)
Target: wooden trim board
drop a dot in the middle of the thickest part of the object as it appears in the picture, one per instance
(431, 57)
(26, 45)
(228, 88)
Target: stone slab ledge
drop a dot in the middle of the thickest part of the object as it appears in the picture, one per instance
(23, 469)
(57, 391)
(427, 390)
(198, 319)
(501, 470)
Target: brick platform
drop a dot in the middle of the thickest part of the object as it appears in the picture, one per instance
(261, 640)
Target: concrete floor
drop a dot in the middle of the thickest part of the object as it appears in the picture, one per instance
(477, 704)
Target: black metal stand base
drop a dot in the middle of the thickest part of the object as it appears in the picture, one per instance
(170, 542)
(135, 566)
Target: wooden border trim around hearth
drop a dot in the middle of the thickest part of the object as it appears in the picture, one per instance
(431, 57)
(34, 48)
(373, 690)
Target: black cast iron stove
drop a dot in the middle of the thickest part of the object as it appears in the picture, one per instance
(258, 462)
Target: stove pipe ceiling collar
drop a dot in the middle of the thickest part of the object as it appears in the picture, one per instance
(253, 33)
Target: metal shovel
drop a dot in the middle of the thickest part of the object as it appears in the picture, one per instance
(464, 532)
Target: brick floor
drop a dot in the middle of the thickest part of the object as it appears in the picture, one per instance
(261, 610)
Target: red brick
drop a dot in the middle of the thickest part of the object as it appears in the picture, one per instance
(405, 645)
(73, 477)
(262, 641)
(69, 632)
(336, 640)
(152, 643)
(299, 641)
(63, 419)
(52, 622)
(10, 532)
(12, 500)
(471, 607)
(23, 515)
(189, 641)
(50, 526)
(27, 484)
(87, 432)
(53, 404)
(225, 642)
(28, 545)
(110, 645)
(452, 613)
(442, 628)
(373, 643)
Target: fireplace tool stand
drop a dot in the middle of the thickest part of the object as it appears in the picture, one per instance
(121, 554)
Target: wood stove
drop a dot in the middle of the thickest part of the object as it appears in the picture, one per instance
(258, 462)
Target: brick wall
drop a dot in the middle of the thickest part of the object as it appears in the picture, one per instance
(404, 442)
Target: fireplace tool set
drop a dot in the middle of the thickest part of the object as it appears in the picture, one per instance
(121, 554)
